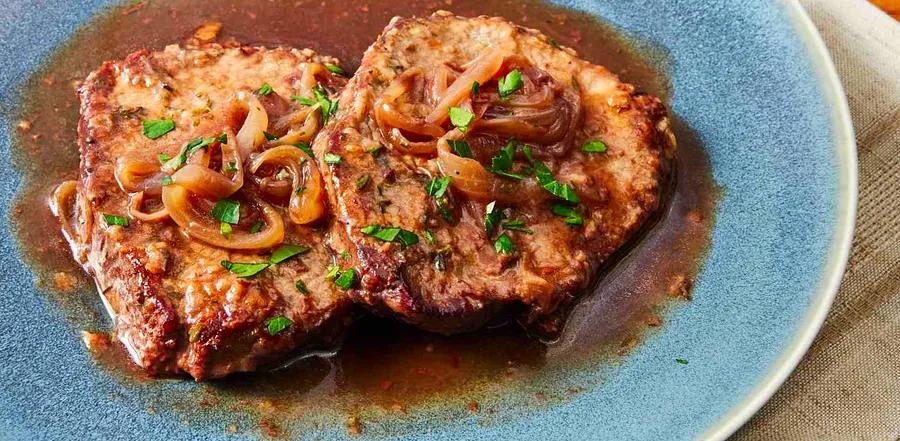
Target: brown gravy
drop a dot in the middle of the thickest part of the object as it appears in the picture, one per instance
(384, 368)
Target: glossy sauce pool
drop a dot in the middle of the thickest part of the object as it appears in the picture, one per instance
(386, 374)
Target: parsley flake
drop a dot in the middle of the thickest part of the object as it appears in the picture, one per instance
(278, 324)
(306, 149)
(156, 128)
(461, 118)
(331, 158)
(244, 269)
(391, 234)
(594, 147)
(437, 188)
(227, 210)
(571, 216)
(287, 251)
(346, 280)
(163, 158)
(510, 83)
(265, 89)
(335, 69)
(546, 179)
(492, 218)
(225, 229)
(517, 225)
(503, 244)
(113, 219)
(301, 286)
(257, 226)
(362, 182)
(460, 148)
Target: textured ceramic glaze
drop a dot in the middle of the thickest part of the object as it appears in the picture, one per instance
(748, 77)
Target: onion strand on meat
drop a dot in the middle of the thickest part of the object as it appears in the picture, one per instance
(307, 201)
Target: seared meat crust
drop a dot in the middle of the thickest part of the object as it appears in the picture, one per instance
(176, 308)
(459, 282)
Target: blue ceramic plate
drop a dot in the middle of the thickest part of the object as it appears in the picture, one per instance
(752, 78)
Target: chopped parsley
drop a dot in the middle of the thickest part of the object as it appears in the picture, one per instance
(113, 219)
(363, 181)
(346, 280)
(571, 216)
(529, 155)
(475, 88)
(461, 118)
(328, 107)
(502, 163)
(257, 226)
(306, 149)
(374, 151)
(287, 251)
(332, 272)
(265, 89)
(231, 167)
(510, 83)
(192, 147)
(303, 100)
(517, 225)
(244, 270)
(163, 158)
(278, 324)
(438, 187)
(555, 44)
(681, 361)
(429, 236)
(301, 286)
(270, 136)
(391, 234)
(331, 158)
(460, 148)
(225, 229)
(503, 244)
(345, 255)
(545, 177)
(166, 180)
(335, 69)
(492, 218)
(155, 128)
(227, 210)
(594, 147)
(223, 138)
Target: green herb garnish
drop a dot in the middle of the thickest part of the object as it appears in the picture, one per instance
(223, 138)
(265, 89)
(375, 150)
(391, 234)
(335, 69)
(192, 147)
(303, 100)
(257, 226)
(510, 83)
(163, 158)
(278, 324)
(270, 136)
(571, 216)
(546, 179)
(594, 147)
(301, 286)
(244, 270)
(517, 225)
(227, 210)
(503, 244)
(461, 118)
(502, 163)
(429, 236)
(345, 255)
(492, 218)
(155, 128)
(681, 361)
(328, 107)
(166, 180)
(346, 280)
(306, 149)
(475, 88)
(362, 182)
(332, 272)
(225, 229)
(231, 167)
(438, 187)
(331, 158)
(287, 251)
(113, 219)
(460, 148)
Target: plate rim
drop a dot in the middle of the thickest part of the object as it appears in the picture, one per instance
(838, 256)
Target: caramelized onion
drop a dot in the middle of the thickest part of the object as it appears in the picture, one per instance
(209, 183)
(481, 69)
(177, 201)
(309, 204)
(76, 228)
(310, 118)
(139, 175)
(136, 201)
(255, 124)
(393, 122)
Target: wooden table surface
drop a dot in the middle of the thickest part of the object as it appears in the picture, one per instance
(892, 7)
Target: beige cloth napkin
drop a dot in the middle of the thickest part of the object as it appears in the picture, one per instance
(848, 385)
